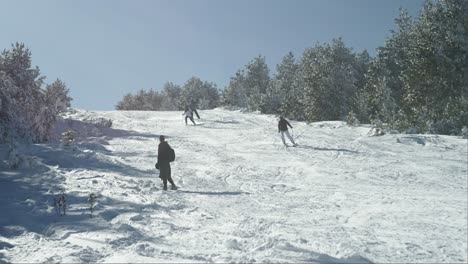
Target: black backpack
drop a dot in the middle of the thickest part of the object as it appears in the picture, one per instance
(171, 155)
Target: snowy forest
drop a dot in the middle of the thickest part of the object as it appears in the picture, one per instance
(28, 106)
(333, 156)
(417, 81)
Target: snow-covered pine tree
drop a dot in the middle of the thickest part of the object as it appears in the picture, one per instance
(436, 82)
(363, 61)
(153, 101)
(280, 95)
(235, 93)
(211, 95)
(170, 95)
(256, 82)
(271, 100)
(43, 123)
(382, 95)
(141, 100)
(27, 97)
(196, 91)
(418, 79)
(329, 77)
(8, 106)
(56, 97)
(126, 103)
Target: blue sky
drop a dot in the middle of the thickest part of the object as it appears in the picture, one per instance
(107, 48)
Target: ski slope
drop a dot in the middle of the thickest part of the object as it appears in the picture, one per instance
(340, 196)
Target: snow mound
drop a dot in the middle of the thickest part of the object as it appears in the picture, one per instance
(420, 140)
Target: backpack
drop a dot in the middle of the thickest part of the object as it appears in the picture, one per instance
(171, 155)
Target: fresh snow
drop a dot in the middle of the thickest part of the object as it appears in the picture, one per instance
(340, 196)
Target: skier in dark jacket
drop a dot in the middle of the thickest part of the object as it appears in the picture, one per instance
(283, 129)
(188, 115)
(194, 109)
(164, 166)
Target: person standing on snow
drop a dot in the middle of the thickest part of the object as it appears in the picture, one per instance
(189, 114)
(283, 129)
(165, 156)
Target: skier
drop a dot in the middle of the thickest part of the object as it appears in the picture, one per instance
(189, 114)
(194, 109)
(283, 129)
(165, 156)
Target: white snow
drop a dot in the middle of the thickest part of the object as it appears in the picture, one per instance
(340, 196)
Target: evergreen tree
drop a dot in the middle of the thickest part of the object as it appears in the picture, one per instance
(56, 97)
(256, 82)
(383, 92)
(8, 106)
(27, 112)
(27, 97)
(330, 81)
(418, 79)
(204, 95)
(359, 109)
(235, 93)
(170, 95)
(434, 99)
(126, 103)
(282, 94)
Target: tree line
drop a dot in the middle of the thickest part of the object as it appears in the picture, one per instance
(417, 82)
(173, 97)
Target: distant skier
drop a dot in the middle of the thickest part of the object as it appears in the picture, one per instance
(165, 156)
(283, 129)
(194, 109)
(189, 115)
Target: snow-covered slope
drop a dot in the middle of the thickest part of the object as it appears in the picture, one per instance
(340, 196)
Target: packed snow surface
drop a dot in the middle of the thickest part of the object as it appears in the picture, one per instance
(340, 196)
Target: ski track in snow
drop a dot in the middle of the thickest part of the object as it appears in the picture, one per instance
(340, 196)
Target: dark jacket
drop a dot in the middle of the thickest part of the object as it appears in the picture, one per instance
(163, 152)
(163, 160)
(283, 125)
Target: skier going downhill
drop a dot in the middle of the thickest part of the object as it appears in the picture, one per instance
(166, 155)
(283, 129)
(189, 115)
(194, 109)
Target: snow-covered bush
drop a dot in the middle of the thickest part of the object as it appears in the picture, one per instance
(17, 160)
(378, 128)
(351, 119)
(464, 132)
(99, 122)
(68, 138)
(103, 122)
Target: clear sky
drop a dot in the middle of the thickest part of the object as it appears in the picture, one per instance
(103, 49)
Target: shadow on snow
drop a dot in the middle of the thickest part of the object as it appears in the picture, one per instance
(215, 193)
(326, 149)
(26, 195)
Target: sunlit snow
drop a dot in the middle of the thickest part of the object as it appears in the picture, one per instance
(340, 196)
